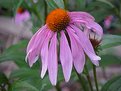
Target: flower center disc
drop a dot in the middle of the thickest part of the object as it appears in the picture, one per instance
(20, 10)
(57, 20)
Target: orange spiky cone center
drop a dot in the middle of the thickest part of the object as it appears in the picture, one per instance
(20, 10)
(57, 20)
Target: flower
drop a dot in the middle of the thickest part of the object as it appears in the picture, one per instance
(108, 21)
(21, 16)
(70, 46)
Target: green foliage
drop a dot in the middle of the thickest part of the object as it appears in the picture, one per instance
(15, 53)
(99, 10)
(109, 59)
(55, 3)
(28, 79)
(113, 84)
(3, 79)
(81, 4)
(22, 86)
(110, 41)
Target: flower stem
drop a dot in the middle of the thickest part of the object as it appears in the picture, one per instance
(45, 4)
(95, 77)
(81, 81)
(58, 87)
(65, 4)
(88, 78)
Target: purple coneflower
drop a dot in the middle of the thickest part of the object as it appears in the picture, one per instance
(63, 34)
(21, 16)
(108, 21)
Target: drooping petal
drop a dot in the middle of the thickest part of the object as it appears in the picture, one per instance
(52, 60)
(32, 57)
(44, 54)
(81, 16)
(77, 52)
(65, 57)
(90, 25)
(96, 28)
(35, 38)
(33, 50)
(86, 45)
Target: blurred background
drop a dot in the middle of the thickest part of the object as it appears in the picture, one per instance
(20, 19)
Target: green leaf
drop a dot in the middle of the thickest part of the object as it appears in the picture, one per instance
(109, 59)
(52, 4)
(23, 86)
(99, 10)
(16, 53)
(110, 41)
(113, 85)
(32, 76)
(80, 4)
(55, 3)
(107, 2)
(59, 3)
(25, 73)
(3, 78)
(8, 3)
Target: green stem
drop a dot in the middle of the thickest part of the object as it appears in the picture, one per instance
(88, 78)
(82, 82)
(58, 87)
(65, 4)
(45, 4)
(95, 77)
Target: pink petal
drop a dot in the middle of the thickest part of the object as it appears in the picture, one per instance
(77, 52)
(34, 39)
(81, 15)
(65, 57)
(23, 17)
(91, 25)
(32, 57)
(96, 28)
(52, 60)
(86, 45)
(34, 46)
(44, 54)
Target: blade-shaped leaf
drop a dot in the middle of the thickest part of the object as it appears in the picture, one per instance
(110, 41)
(113, 85)
(23, 86)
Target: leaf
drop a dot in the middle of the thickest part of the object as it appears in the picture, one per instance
(55, 3)
(59, 3)
(32, 76)
(24, 73)
(8, 3)
(113, 84)
(3, 78)
(109, 59)
(23, 86)
(80, 4)
(16, 53)
(107, 2)
(110, 41)
(100, 14)
(99, 10)
(52, 4)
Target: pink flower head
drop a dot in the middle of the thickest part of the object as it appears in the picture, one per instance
(107, 21)
(21, 16)
(71, 45)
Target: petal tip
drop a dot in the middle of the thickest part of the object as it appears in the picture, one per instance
(42, 76)
(54, 83)
(66, 80)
